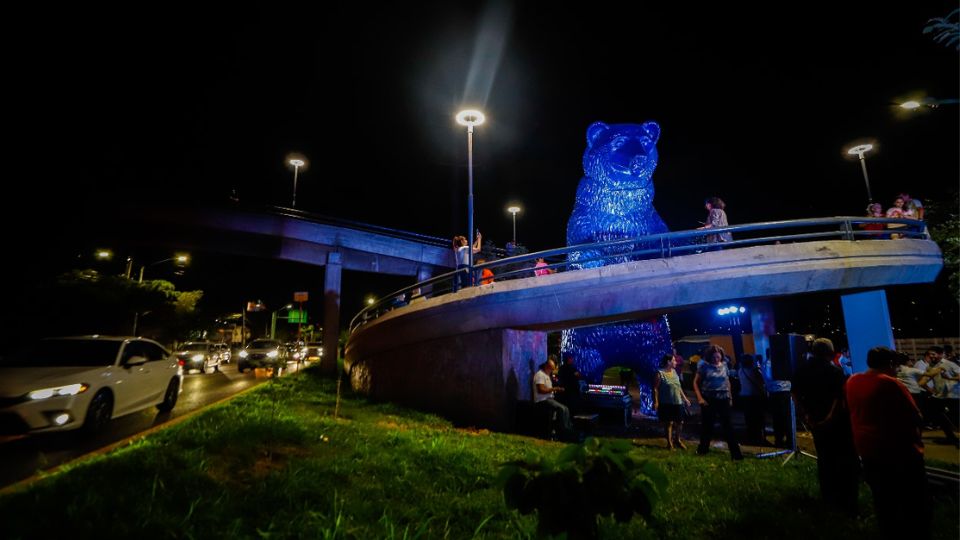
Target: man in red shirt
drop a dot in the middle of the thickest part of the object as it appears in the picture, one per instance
(886, 432)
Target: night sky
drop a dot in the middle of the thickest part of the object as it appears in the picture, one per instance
(177, 107)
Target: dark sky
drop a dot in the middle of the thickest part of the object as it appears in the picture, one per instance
(755, 106)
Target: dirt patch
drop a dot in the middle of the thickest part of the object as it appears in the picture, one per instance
(390, 424)
(267, 460)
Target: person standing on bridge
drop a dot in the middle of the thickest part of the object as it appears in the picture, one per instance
(886, 431)
(462, 256)
(716, 217)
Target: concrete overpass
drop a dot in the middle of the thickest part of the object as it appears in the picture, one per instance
(471, 355)
(291, 235)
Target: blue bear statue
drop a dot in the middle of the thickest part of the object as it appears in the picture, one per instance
(615, 202)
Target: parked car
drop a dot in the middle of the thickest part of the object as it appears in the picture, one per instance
(200, 355)
(314, 352)
(61, 384)
(262, 353)
(223, 350)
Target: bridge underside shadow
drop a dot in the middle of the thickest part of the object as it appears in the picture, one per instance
(471, 355)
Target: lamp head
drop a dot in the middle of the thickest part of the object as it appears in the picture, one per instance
(470, 117)
(860, 149)
(296, 160)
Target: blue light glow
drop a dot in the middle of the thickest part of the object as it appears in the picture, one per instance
(615, 201)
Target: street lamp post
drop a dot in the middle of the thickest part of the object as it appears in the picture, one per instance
(860, 150)
(181, 259)
(514, 210)
(298, 162)
(470, 118)
(273, 319)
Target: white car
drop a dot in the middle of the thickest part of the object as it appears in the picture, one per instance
(61, 384)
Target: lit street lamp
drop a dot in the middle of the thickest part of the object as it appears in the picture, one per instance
(514, 210)
(104, 254)
(298, 162)
(470, 118)
(860, 150)
(181, 259)
(931, 103)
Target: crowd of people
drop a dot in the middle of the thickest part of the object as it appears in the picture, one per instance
(864, 426)
(904, 207)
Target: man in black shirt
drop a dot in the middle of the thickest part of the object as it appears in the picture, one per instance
(569, 378)
(818, 390)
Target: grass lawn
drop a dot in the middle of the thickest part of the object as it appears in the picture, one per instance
(274, 463)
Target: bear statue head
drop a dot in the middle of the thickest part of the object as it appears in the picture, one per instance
(622, 155)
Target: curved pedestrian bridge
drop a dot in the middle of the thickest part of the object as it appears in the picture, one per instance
(469, 354)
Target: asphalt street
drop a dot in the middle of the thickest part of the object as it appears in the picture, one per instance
(24, 456)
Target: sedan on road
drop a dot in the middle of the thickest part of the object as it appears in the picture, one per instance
(200, 355)
(61, 384)
(262, 353)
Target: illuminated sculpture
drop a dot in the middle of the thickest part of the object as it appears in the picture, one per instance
(615, 201)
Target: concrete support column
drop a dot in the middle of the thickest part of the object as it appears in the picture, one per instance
(762, 326)
(331, 312)
(867, 319)
(424, 273)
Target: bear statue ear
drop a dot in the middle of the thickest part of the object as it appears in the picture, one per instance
(594, 131)
(653, 130)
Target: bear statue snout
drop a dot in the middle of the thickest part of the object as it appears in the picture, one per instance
(638, 164)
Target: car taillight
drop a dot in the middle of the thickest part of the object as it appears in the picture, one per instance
(181, 362)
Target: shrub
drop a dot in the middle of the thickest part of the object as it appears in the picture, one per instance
(583, 482)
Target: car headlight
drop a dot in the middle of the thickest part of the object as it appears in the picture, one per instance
(68, 390)
(244, 354)
(197, 358)
(273, 354)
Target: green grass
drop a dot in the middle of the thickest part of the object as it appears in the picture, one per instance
(274, 463)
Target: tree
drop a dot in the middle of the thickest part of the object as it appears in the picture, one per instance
(945, 30)
(944, 224)
(86, 302)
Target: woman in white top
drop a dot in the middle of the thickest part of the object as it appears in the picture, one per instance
(462, 256)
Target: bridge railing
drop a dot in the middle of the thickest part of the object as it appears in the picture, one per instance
(360, 226)
(654, 246)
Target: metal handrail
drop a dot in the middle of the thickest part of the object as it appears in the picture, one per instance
(360, 226)
(661, 245)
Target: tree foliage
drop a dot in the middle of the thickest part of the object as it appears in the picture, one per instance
(945, 30)
(943, 219)
(86, 302)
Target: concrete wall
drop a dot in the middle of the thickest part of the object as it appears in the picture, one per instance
(473, 379)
